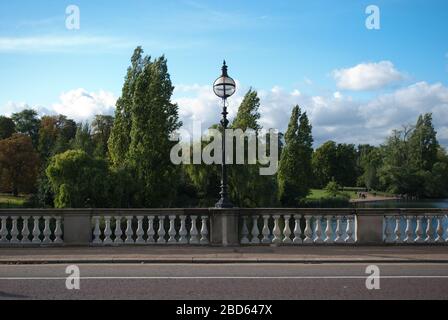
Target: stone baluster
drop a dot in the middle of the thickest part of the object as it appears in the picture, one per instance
(14, 230)
(329, 230)
(297, 230)
(397, 230)
(193, 231)
(318, 231)
(388, 230)
(36, 231)
(140, 232)
(58, 231)
(117, 231)
(339, 238)
(265, 231)
(439, 230)
(255, 231)
(408, 231)
(244, 231)
(107, 231)
(277, 232)
(161, 231)
(419, 230)
(25, 231)
(429, 230)
(446, 231)
(47, 231)
(129, 232)
(96, 231)
(151, 232)
(3, 230)
(183, 230)
(308, 231)
(350, 231)
(287, 230)
(204, 230)
(172, 230)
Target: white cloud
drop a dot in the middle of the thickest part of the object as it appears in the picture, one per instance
(82, 105)
(367, 76)
(334, 116)
(13, 107)
(199, 103)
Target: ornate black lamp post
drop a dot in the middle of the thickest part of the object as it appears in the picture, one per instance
(224, 87)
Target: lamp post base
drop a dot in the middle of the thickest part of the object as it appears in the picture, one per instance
(224, 203)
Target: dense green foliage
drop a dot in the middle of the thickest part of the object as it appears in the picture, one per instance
(78, 180)
(295, 172)
(7, 127)
(332, 161)
(413, 162)
(27, 122)
(146, 118)
(247, 187)
(19, 164)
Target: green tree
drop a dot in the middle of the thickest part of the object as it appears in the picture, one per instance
(78, 180)
(346, 172)
(248, 115)
(48, 133)
(101, 130)
(324, 163)
(154, 119)
(423, 143)
(55, 135)
(294, 175)
(120, 139)
(370, 160)
(83, 139)
(412, 162)
(333, 189)
(7, 127)
(335, 161)
(19, 164)
(145, 119)
(247, 187)
(27, 122)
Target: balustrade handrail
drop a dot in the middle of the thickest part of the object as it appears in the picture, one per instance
(208, 211)
(293, 226)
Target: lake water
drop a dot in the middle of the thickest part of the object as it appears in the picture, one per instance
(434, 203)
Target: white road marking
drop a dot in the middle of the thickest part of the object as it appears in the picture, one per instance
(224, 278)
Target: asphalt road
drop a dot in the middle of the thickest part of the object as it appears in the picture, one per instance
(225, 281)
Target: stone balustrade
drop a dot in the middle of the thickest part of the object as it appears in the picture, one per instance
(222, 227)
(151, 229)
(30, 229)
(298, 229)
(416, 229)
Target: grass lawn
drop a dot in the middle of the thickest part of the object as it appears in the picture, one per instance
(317, 194)
(8, 201)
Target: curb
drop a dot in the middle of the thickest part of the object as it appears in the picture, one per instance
(219, 261)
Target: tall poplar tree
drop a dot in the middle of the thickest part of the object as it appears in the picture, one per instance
(247, 187)
(145, 118)
(294, 175)
(119, 139)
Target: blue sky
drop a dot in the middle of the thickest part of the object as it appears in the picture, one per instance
(291, 51)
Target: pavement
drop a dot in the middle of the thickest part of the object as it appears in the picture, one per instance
(221, 282)
(191, 254)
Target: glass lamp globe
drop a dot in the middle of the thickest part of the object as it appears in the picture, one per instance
(224, 86)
